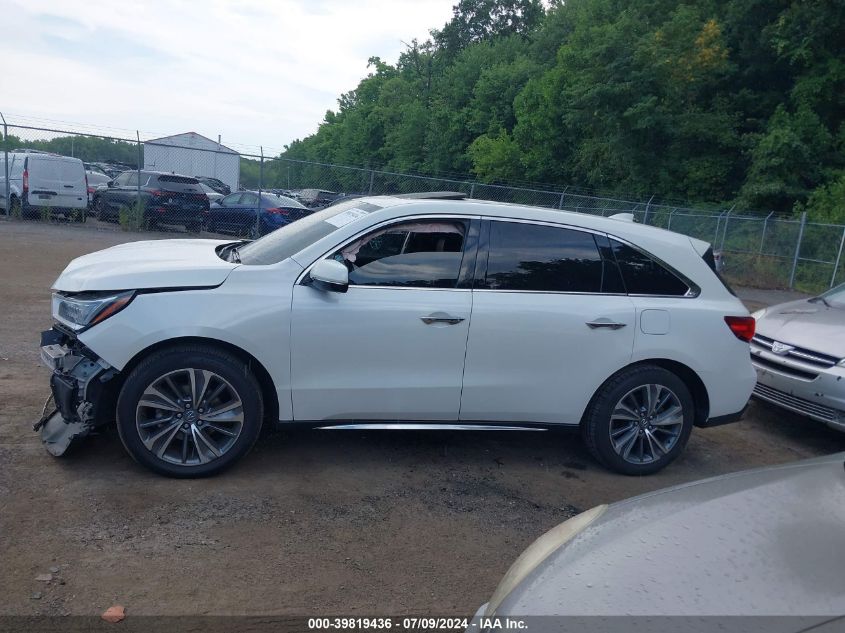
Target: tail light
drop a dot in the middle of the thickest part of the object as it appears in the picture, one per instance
(158, 193)
(25, 181)
(742, 327)
(278, 211)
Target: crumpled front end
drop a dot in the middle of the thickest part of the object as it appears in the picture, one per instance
(84, 391)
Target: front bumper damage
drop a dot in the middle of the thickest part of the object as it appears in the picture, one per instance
(82, 388)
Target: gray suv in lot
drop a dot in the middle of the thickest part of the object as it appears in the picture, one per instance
(165, 198)
(798, 351)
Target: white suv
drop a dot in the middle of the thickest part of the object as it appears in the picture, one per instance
(400, 312)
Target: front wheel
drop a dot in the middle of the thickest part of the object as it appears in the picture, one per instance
(190, 411)
(639, 421)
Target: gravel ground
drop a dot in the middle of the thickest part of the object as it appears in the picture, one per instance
(344, 522)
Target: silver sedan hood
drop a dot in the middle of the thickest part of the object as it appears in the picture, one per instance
(762, 542)
(811, 325)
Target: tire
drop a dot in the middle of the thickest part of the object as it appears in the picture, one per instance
(101, 210)
(647, 443)
(186, 440)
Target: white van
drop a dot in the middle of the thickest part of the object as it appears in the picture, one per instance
(40, 180)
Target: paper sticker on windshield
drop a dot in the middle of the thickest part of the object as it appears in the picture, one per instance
(350, 215)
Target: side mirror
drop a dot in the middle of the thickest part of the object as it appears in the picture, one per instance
(328, 274)
(110, 183)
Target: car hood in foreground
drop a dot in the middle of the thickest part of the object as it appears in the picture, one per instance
(149, 264)
(811, 325)
(763, 542)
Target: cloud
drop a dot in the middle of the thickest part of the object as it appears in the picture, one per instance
(253, 71)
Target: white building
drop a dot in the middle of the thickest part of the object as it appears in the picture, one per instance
(192, 154)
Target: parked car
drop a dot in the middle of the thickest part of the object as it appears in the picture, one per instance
(390, 311)
(110, 169)
(765, 542)
(42, 182)
(799, 354)
(166, 199)
(96, 180)
(318, 197)
(216, 184)
(213, 196)
(237, 213)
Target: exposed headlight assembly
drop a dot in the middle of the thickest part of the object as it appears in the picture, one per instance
(539, 551)
(82, 310)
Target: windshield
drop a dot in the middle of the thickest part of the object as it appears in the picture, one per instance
(292, 238)
(835, 297)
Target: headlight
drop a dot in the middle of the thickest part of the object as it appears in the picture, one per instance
(539, 551)
(87, 308)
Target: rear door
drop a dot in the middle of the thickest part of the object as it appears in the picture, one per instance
(550, 323)
(56, 182)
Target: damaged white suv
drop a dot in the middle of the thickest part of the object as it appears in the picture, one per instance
(408, 312)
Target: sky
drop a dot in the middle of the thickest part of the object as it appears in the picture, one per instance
(255, 72)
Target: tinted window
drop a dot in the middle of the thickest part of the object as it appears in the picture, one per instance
(544, 258)
(417, 254)
(249, 198)
(232, 199)
(643, 275)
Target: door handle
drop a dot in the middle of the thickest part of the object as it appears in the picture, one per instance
(441, 318)
(605, 323)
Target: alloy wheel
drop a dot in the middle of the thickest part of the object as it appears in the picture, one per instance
(646, 423)
(189, 417)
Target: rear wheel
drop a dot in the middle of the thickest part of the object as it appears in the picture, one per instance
(189, 411)
(639, 421)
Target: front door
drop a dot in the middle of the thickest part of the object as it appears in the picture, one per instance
(392, 347)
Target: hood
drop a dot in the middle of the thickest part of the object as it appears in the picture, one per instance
(811, 325)
(149, 264)
(761, 542)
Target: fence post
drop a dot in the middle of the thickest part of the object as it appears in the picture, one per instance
(718, 226)
(372, 176)
(647, 205)
(260, 185)
(471, 191)
(797, 250)
(138, 208)
(669, 223)
(725, 228)
(838, 258)
(562, 193)
(8, 197)
(763, 236)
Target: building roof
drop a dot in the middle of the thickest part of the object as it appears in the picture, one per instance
(189, 139)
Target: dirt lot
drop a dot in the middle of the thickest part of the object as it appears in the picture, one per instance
(316, 522)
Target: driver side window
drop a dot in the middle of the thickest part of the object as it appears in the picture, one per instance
(421, 254)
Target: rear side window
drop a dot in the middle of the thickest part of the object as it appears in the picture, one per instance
(542, 258)
(645, 276)
(710, 259)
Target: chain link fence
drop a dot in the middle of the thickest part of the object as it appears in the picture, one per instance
(191, 183)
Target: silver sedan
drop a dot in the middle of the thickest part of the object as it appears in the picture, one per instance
(763, 543)
(798, 351)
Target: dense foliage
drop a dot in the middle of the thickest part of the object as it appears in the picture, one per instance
(711, 100)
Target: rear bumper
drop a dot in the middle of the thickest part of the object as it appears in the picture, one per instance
(722, 419)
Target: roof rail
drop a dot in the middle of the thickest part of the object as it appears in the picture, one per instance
(434, 195)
